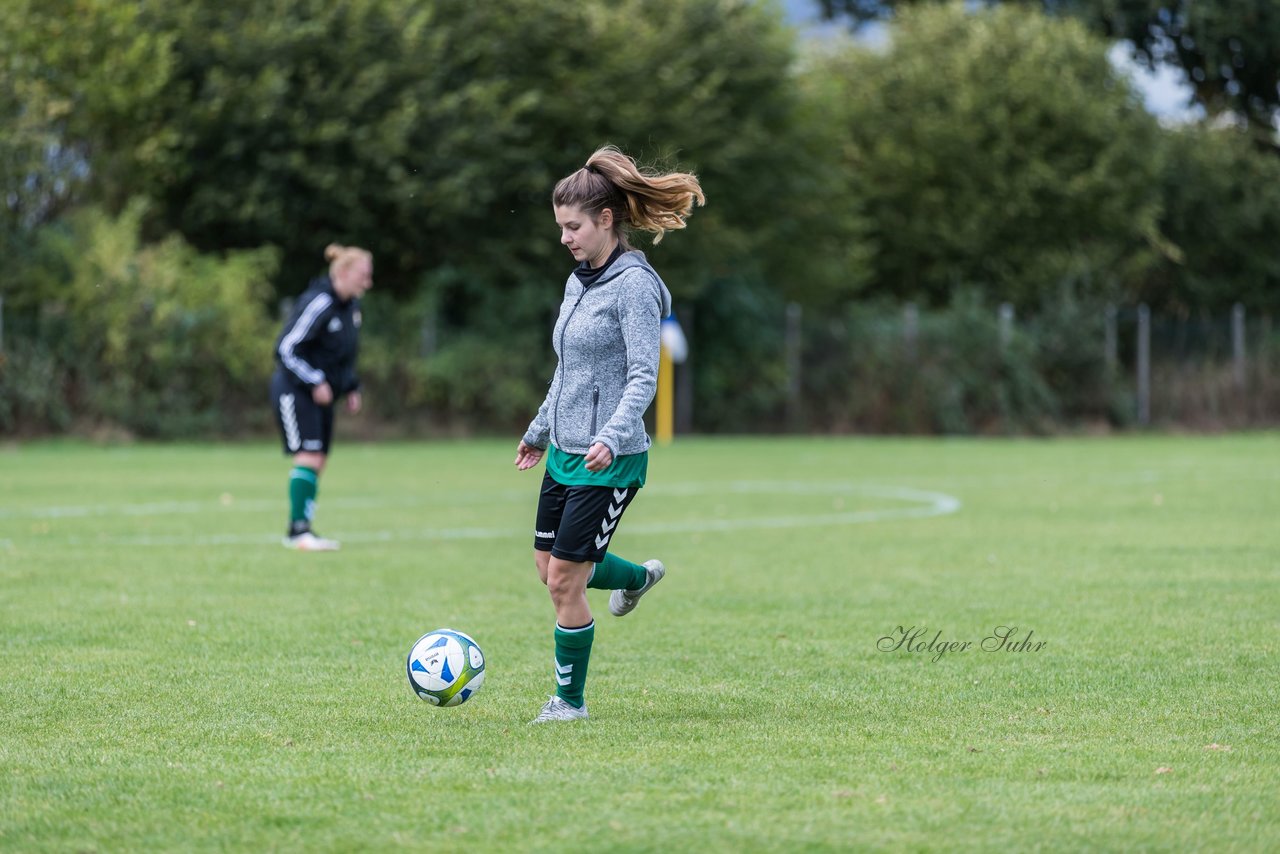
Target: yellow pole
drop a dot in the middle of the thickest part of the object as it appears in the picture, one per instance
(666, 397)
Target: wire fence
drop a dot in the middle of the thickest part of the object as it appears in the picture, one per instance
(1123, 364)
(862, 368)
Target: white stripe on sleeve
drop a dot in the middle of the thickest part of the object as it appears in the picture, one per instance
(306, 320)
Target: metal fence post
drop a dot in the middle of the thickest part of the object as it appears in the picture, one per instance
(910, 329)
(1144, 364)
(1006, 324)
(428, 336)
(1262, 348)
(1237, 344)
(793, 344)
(1111, 338)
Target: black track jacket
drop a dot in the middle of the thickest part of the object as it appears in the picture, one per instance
(321, 339)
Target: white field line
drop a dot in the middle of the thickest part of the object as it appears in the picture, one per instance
(452, 499)
(234, 505)
(920, 504)
(230, 504)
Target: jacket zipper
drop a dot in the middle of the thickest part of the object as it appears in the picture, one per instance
(595, 409)
(555, 411)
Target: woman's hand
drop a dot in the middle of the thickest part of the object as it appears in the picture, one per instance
(598, 457)
(527, 456)
(354, 402)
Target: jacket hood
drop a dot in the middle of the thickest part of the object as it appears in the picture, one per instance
(630, 260)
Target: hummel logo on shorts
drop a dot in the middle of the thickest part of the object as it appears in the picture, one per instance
(546, 535)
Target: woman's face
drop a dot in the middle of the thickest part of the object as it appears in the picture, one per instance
(354, 279)
(586, 239)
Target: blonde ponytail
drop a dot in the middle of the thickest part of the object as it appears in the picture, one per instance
(340, 257)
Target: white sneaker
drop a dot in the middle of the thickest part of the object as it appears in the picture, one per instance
(309, 542)
(623, 602)
(557, 709)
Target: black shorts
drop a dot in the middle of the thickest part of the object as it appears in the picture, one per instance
(575, 523)
(305, 426)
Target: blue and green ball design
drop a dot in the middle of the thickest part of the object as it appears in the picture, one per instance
(446, 667)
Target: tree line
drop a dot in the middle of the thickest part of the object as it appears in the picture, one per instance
(172, 171)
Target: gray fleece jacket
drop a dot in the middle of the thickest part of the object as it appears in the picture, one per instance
(607, 339)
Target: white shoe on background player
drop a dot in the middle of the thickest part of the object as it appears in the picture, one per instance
(309, 542)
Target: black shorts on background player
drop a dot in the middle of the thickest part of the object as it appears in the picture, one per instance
(304, 425)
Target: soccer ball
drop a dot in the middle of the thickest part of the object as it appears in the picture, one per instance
(445, 667)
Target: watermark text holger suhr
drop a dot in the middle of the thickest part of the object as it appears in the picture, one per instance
(921, 640)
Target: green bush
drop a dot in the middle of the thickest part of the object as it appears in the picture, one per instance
(424, 376)
(959, 373)
(32, 381)
(156, 339)
(738, 363)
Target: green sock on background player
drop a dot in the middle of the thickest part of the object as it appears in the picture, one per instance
(303, 485)
(573, 651)
(615, 573)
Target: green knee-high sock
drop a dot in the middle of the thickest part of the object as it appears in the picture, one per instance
(615, 573)
(302, 498)
(573, 651)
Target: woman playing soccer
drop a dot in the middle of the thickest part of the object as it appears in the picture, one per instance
(591, 425)
(315, 366)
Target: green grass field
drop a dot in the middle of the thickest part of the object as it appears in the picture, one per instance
(175, 680)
